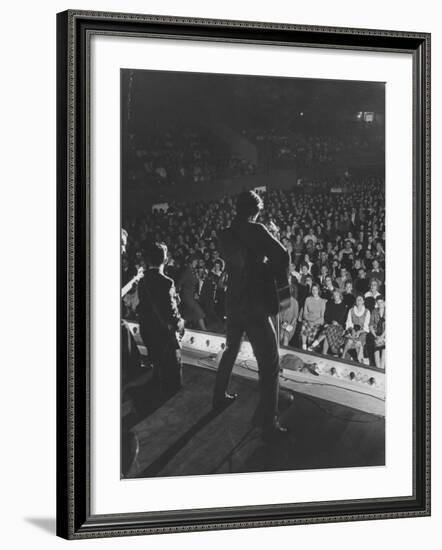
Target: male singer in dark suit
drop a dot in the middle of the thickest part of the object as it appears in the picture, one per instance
(160, 321)
(246, 247)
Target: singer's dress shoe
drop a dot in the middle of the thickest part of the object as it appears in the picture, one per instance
(285, 400)
(225, 401)
(275, 432)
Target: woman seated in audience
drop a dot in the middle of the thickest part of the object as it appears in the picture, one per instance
(372, 294)
(376, 336)
(357, 328)
(335, 317)
(344, 276)
(312, 316)
(328, 289)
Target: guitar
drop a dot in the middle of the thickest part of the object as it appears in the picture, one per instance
(279, 291)
(127, 287)
(282, 294)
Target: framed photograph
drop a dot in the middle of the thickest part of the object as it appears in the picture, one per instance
(239, 205)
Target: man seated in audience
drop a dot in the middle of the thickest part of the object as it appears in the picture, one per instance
(376, 272)
(362, 283)
(348, 296)
(322, 279)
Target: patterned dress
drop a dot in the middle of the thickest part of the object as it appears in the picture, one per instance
(335, 332)
(361, 318)
(313, 317)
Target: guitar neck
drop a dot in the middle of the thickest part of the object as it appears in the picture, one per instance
(126, 288)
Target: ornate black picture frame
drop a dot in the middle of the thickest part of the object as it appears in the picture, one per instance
(74, 518)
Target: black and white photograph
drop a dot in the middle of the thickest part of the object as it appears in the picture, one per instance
(238, 201)
(207, 209)
(253, 288)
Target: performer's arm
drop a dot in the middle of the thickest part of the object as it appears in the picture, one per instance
(273, 249)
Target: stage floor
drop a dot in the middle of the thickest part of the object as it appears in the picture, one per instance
(184, 436)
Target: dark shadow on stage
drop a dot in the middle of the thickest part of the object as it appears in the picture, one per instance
(155, 467)
(184, 436)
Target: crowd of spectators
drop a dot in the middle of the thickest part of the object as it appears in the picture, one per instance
(281, 147)
(336, 244)
(180, 156)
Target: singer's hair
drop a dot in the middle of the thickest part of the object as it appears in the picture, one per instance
(156, 254)
(248, 204)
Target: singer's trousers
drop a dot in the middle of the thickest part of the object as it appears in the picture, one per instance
(261, 334)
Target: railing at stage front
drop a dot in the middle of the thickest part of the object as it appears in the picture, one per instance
(348, 383)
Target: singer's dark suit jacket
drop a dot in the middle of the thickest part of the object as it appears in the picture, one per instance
(247, 285)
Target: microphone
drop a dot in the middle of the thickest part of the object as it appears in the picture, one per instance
(273, 228)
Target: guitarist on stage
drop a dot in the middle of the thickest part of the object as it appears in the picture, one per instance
(257, 265)
(160, 321)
